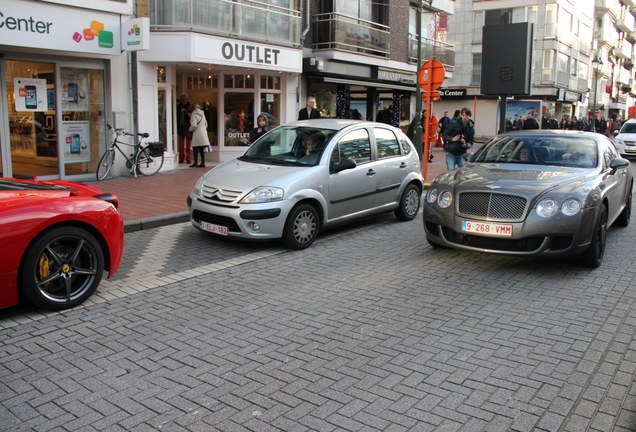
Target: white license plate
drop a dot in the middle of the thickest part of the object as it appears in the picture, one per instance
(216, 229)
(487, 229)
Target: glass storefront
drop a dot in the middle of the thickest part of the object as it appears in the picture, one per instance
(240, 98)
(352, 101)
(55, 118)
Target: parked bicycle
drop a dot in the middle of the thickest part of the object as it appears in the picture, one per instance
(147, 160)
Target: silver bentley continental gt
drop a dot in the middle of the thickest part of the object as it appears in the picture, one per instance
(540, 192)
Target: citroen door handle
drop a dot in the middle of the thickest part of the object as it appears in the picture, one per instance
(370, 172)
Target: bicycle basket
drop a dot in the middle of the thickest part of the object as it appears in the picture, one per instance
(156, 148)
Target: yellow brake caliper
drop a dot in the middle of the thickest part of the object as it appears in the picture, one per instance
(44, 267)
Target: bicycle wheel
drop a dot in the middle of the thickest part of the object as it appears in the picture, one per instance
(105, 164)
(146, 163)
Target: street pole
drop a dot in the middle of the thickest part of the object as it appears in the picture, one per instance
(595, 92)
(597, 64)
(418, 102)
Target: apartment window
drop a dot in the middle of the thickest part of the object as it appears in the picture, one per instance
(562, 64)
(573, 68)
(362, 9)
(565, 21)
(550, 20)
(476, 75)
(548, 66)
(503, 16)
(478, 23)
(524, 14)
(582, 70)
(498, 16)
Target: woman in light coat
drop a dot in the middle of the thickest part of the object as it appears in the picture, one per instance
(200, 141)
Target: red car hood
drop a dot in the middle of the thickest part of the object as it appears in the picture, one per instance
(38, 190)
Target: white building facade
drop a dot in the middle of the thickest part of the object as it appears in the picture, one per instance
(561, 68)
(59, 61)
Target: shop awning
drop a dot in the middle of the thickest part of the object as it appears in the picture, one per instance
(405, 88)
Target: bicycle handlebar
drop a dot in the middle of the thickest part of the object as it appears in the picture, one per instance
(122, 132)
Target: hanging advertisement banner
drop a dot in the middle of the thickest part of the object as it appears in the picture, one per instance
(76, 138)
(74, 90)
(30, 94)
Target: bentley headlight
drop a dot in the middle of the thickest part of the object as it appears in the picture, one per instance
(263, 194)
(547, 208)
(571, 207)
(197, 186)
(445, 199)
(431, 196)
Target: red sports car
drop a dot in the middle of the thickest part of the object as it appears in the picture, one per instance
(57, 239)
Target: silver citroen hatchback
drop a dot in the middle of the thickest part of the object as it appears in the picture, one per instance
(304, 176)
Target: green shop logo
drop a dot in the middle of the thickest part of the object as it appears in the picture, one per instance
(95, 31)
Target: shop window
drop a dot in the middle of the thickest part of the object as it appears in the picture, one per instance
(270, 82)
(270, 107)
(82, 129)
(238, 118)
(202, 81)
(239, 81)
(161, 74)
(31, 111)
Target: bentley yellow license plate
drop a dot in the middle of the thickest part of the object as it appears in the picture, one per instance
(487, 229)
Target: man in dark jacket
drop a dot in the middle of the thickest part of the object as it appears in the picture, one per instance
(458, 138)
(310, 111)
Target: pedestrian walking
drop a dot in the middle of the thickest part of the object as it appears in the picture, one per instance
(183, 129)
(200, 140)
(458, 138)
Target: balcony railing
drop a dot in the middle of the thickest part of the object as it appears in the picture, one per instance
(609, 5)
(343, 32)
(625, 22)
(251, 19)
(624, 50)
(431, 48)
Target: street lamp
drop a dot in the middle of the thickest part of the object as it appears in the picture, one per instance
(418, 102)
(597, 65)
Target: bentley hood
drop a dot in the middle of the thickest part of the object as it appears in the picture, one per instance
(528, 180)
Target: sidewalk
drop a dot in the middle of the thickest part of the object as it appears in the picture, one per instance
(149, 202)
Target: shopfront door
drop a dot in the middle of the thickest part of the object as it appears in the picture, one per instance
(55, 119)
(82, 122)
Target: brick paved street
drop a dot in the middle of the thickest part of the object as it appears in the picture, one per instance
(369, 329)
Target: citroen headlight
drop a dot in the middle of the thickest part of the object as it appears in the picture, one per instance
(431, 196)
(571, 207)
(547, 208)
(197, 186)
(263, 194)
(445, 199)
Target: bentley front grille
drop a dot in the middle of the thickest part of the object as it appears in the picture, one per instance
(488, 205)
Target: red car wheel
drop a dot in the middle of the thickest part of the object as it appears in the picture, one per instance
(61, 268)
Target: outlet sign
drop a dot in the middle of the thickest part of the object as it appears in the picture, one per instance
(37, 24)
